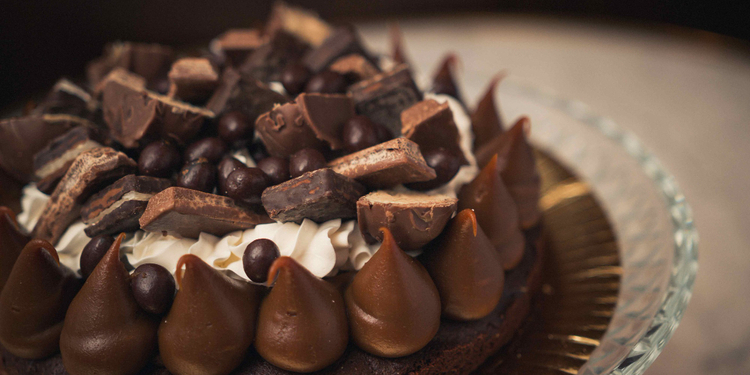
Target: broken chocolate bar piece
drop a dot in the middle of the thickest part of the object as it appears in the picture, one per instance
(384, 165)
(414, 219)
(67, 98)
(150, 61)
(119, 206)
(382, 98)
(300, 22)
(89, 172)
(320, 195)
(22, 137)
(132, 113)
(237, 44)
(246, 94)
(192, 79)
(354, 67)
(51, 163)
(268, 60)
(430, 124)
(189, 212)
(312, 121)
(343, 41)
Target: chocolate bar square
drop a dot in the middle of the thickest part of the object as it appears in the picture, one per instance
(51, 163)
(237, 44)
(192, 79)
(267, 61)
(241, 93)
(430, 124)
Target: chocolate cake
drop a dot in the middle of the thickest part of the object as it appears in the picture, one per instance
(284, 202)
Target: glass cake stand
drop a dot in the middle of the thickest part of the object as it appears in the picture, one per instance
(652, 223)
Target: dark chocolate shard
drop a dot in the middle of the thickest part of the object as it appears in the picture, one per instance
(354, 67)
(343, 41)
(118, 207)
(384, 165)
(486, 122)
(192, 79)
(150, 61)
(398, 53)
(246, 94)
(383, 97)
(34, 303)
(22, 137)
(414, 219)
(520, 174)
(89, 172)
(67, 98)
(51, 163)
(431, 125)
(133, 113)
(326, 115)
(189, 212)
(320, 195)
(443, 81)
(237, 44)
(12, 241)
(268, 60)
(212, 313)
(302, 23)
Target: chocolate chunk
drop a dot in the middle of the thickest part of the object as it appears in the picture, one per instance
(382, 98)
(443, 81)
(90, 171)
(192, 79)
(51, 163)
(343, 41)
(150, 61)
(118, 207)
(430, 124)
(414, 219)
(22, 137)
(268, 60)
(326, 114)
(245, 94)
(189, 212)
(302, 23)
(237, 44)
(133, 113)
(320, 195)
(387, 164)
(354, 67)
(67, 98)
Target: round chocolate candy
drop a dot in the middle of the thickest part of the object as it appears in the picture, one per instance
(258, 258)
(211, 149)
(159, 159)
(93, 252)
(153, 288)
(226, 166)
(294, 77)
(359, 133)
(276, 168)
(246, 185)
(198, 175)
(235, 126)
(305, 160)
(326, 82)
(446, 165)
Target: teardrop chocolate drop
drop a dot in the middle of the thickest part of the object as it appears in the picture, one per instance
(105, 331)
(397, 45)
(496, 213)
(393, 305)
(302, 322)
(521, 176)
(34, 303)
(12, 241)
(443, 82)
(466, 269)
(499, 145)
(486, 122)
(212, 313)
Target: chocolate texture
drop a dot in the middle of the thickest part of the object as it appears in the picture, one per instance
(430, 125)
(12, 241)
(51, 163)
(486, 122)
(192, 79)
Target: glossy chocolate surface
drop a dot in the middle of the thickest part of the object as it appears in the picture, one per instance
(486, 122)
(443, 81)
(430, 125)
(521, 176)
(12, 241)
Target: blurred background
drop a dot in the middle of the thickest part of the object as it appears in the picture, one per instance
(676, 73)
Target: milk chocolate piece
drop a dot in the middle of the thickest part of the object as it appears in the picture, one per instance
(150, 61)
(343, 41)
(354, 67)
(22, 137)
(267, 61)
(520, 174)
(320, 195)
(382, 98)
(67, 98)
(393, 305)
(12, 241)
(132, 113)
(443, 81)
(414, 219)
(192, 79)
(430, 124)
(387, 164)
(89, 172)
(245, 94)
(118, 207)
(33, 306)
(486, 122)
(302, 23)
(189, 212)
(51, 163)
(237, 44)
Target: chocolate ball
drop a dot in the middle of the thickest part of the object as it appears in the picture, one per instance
(198, 175)
(246, 185)
(93, 252)
(153, 288)
(305, 160)
(235, 126)
(276, 168)
(446, 165)
(258, 258)
(226, 166)
(211, 149)
(294, 77)
(359, 133)
(326, 82)
(159, 159)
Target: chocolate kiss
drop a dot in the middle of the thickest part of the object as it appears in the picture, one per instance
(499, 145)
(443, 81)
(466, 269)
(397, 45)
(496, 213)
(521, 176)
(485, 121)
(12, 241)
(212, 321)
(105, 330)
(33, 306)
(393, 305)
(302, 322)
